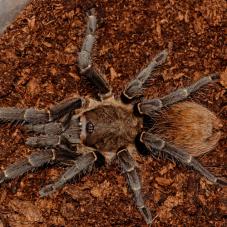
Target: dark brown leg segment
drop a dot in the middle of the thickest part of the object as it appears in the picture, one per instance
(136, 87)
(129, 167)
(81, 164)
(33, 116)
(152, 141)
(33, 161)
(148, 106)
(85, 59)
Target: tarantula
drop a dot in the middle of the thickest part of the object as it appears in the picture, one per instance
(79, 130)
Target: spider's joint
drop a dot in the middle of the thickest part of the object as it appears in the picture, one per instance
(5, 173)
(53, 154)
(91, 24)
(31, 162)
(95, 156)
(136, 189)
(83, 71)
(105, 96)
(50, 118)
(185, 92)
(159, 144)
(59, 140)
(148, 106)
(141, 137)
(132, 168)
(189, 159)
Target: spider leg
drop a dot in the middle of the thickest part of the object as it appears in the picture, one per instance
(33, 116)
(81, 164)
(52, 128)
(85, 59)
(148, 106)
(33, 161)
(56, 128)
(152, 141)
(52, 141)
(135, 87)
(129, 167)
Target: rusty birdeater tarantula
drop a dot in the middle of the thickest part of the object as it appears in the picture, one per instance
(81, 130)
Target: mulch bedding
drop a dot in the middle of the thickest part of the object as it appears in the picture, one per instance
(38, 55)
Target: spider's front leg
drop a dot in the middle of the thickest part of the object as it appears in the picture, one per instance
(34, 116)
(85, 59)
(136, 87)
(152, 141)
(148, 106)
(81, 164)
(129, 167)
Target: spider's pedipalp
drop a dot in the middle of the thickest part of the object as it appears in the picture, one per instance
(81, 164)
(52, 128)
(135, 87)
(153, 141)
(48, 140)
(44, 141)
(129, 167)
(33, 161)
(148, 106)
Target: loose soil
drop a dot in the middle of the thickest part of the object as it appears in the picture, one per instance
(38, 55)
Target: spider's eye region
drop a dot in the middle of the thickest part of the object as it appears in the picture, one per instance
(90, 127)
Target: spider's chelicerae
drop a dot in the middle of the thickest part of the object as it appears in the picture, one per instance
(82, 129)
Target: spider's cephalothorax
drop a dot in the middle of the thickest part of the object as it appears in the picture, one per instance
(79, 129)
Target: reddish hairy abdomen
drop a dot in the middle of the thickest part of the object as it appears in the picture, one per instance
(189, 126)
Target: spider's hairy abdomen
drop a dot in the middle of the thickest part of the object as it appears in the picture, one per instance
(189, 126)
(114, 126)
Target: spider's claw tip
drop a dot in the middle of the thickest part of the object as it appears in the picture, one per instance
(222, 182)
(161, 57)
(146, 214)
(46, 190)
(215, 76)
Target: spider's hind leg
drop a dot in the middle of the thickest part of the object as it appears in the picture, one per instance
(152, 141)
(149, 106)
(129, 167)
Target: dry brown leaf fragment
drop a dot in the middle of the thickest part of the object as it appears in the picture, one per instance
(158, 30)
(71, 48)
(27, 209)
(163, 181)
(47, 44)
(164, 211)
(33, 86)
(178, 76)
(167, 168)
(101, 190)
(31, 22)
(223, 78)
(113, 74)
